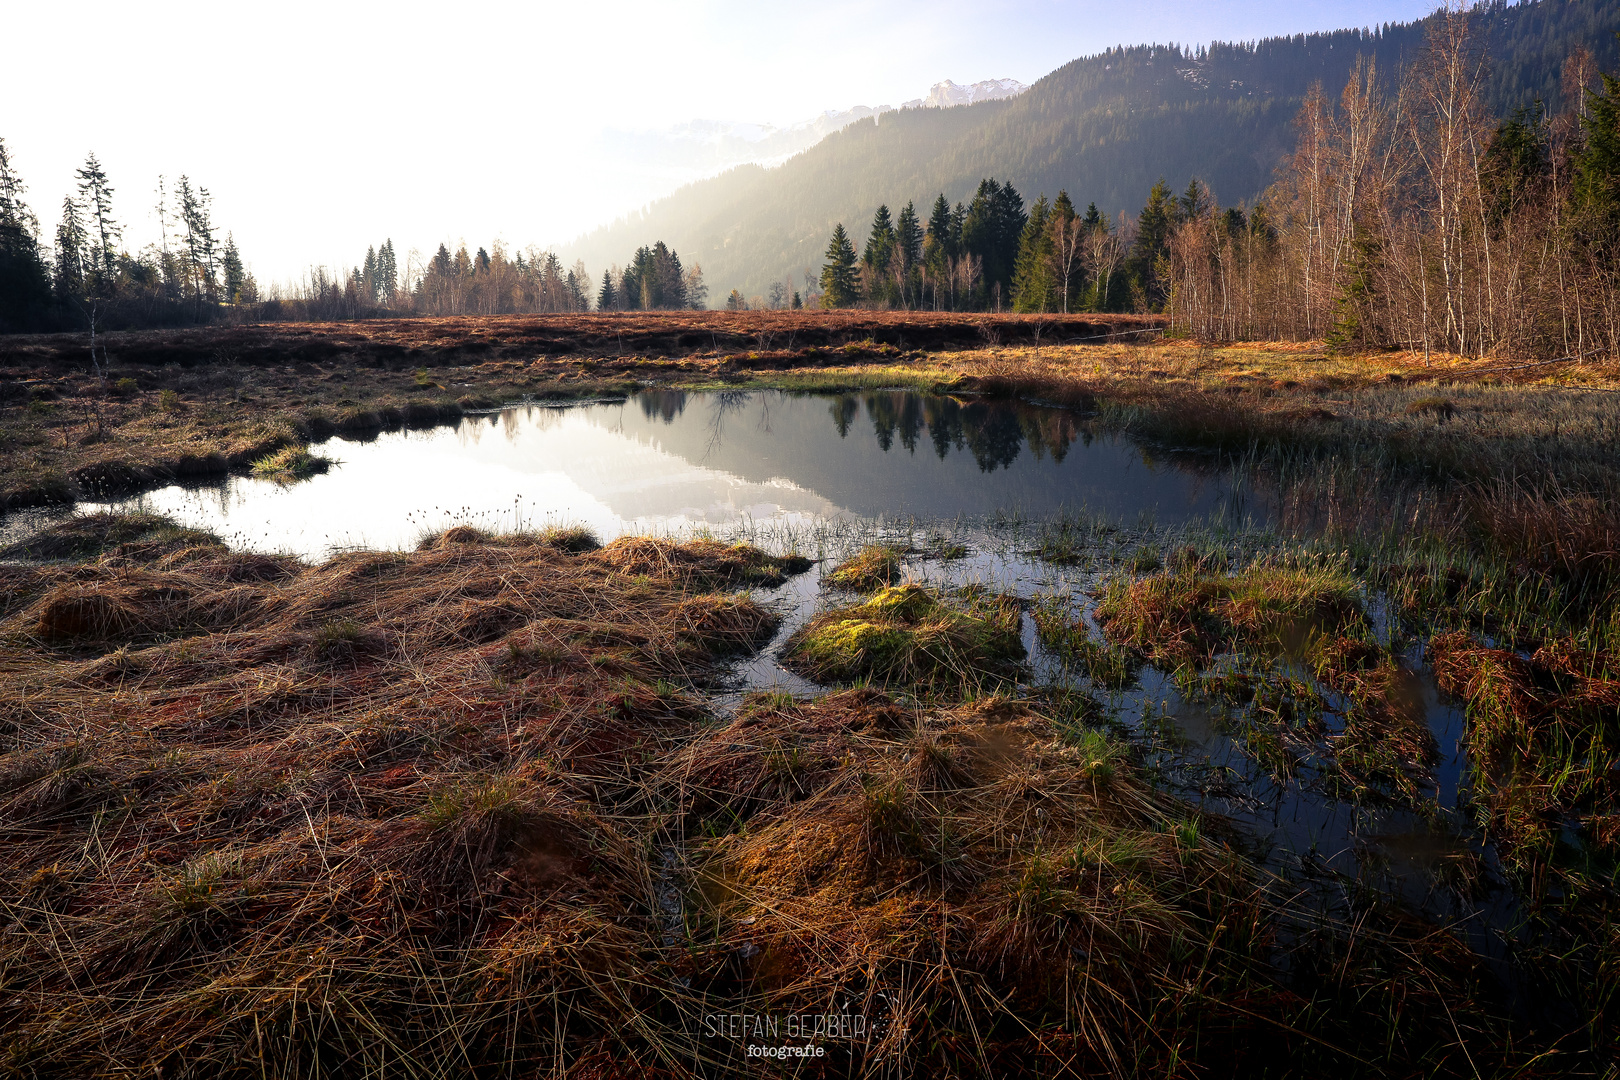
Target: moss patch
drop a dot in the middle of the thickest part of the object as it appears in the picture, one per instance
(910, 635)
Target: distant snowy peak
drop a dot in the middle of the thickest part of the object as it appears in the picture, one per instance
(943, 95)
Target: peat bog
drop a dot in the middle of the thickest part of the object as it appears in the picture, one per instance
(1300, 754)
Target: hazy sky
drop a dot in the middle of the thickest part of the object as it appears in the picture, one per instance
(320, 127)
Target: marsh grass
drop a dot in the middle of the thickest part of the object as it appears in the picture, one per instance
(291, 464)
(909, 635)
(875, 566)
(1107, 667)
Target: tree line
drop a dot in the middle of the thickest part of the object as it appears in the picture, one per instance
(190, 274)
(1408, 217)
(89, 273)
(994, 253)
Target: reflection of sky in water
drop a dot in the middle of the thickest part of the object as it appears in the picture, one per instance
(670, 461)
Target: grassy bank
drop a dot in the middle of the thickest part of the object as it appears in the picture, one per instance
(468, 811)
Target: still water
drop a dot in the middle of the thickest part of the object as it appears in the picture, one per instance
(665, 461)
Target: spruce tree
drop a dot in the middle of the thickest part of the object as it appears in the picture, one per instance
(941, 237)
(840, 287)
(1068, 237)
(236, 276)
(368, 273)
(1597, 166)
(70, 254)
(96, 194)
(1195, 202)
(908, 243)
(25, 292)
(880, 243)
(387, 271)
(1032, 278)
(1152, 242)
(991, 230)
(877, 257)
(608, 298)
(798, 301)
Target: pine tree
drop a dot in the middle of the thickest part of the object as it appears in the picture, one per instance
(798, 301)
(608, 298)
(96, 195)
(24, 285)
(1032, 278)
(236, 276)
(368, 273)
(199, 256)
(70, 253)
(839, 285)
(1597, 167)
(1152, 242)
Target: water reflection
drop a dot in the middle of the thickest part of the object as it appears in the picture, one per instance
(671, 460)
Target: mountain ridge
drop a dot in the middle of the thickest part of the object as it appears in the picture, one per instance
(1103, 127)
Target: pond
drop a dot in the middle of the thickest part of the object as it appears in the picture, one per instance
(670, 462)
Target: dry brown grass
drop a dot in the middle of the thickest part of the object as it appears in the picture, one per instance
(380, 815)
(460, 812)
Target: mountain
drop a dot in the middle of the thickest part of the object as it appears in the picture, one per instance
(701, 148)
(945, 95)
(1103, 127)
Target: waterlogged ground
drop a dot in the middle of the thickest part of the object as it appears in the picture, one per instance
(823, 474)
(1424, 849)
(1013, 498)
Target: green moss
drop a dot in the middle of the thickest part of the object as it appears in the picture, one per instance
(909, 635)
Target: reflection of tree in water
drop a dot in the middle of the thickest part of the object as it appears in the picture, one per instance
(725, 403)
(666, 405)
(1049, 431)
(944, 419)
(844, 411)
(994, 432)
(896, 411)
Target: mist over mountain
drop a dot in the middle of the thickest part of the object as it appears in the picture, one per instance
(1103, 127)
(702, 148)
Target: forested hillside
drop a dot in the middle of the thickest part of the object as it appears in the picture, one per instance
(1103, 127)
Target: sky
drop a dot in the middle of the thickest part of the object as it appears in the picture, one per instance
(322, 127)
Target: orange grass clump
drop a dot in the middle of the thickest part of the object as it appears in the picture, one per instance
(382, 815)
